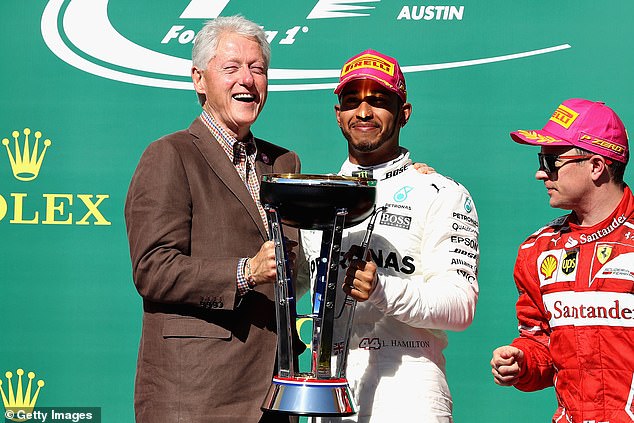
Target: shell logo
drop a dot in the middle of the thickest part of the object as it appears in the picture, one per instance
(548, 266)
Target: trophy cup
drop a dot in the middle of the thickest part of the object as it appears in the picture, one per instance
(331, 204)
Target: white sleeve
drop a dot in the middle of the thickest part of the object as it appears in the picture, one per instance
(444, 293)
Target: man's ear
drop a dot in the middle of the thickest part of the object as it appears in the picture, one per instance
(338, 114)
(599, 167)
(197, 78)
(406, 112)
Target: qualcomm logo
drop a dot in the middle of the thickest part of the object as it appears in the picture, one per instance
(80, 33)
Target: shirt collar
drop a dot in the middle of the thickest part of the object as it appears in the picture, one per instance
(223, 137)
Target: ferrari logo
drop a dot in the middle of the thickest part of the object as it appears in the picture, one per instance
(603, 253)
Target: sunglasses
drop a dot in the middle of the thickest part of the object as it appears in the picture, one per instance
(548, 162)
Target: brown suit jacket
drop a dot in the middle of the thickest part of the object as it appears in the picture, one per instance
(206, 355)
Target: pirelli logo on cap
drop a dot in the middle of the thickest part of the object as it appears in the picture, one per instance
(368, 61)
(564, 116)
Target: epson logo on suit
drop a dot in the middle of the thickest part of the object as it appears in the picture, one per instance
(395, 220)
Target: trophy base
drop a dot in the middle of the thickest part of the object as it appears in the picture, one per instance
(310, 397)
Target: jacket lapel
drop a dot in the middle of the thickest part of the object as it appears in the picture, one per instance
(225, 170)
(263, 162)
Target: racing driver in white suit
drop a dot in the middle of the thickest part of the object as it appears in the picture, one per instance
(420, 277)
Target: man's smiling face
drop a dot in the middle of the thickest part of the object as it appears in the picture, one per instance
(234, 83)
(370, 117)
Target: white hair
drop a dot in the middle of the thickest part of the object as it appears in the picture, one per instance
(206, 41)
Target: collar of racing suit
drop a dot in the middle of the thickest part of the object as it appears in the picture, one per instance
(378, 171)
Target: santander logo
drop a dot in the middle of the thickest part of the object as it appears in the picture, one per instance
(590, 308)
(81, 33)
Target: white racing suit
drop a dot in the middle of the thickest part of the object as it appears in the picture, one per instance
(425, 246)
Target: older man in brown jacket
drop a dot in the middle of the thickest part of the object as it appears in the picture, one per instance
(198, 242)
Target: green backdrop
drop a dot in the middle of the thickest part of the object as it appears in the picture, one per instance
(102, 79)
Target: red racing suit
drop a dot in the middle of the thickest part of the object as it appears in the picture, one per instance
(576, 315)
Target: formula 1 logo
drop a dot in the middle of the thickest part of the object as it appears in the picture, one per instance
(149, 43)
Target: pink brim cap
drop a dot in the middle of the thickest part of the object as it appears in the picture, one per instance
(371, 64)
(585, 124)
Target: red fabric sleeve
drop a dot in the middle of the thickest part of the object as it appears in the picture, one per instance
(537, 371)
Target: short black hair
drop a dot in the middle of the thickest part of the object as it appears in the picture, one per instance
(616, 169)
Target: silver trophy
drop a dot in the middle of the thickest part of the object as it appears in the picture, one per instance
(331, 204)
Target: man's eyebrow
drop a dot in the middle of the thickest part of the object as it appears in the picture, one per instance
(370, 94)
(349, 92)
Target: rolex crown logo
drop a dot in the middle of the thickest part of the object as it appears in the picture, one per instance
(26, 162)
(17, 399)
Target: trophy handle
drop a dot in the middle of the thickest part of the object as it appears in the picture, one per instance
(284, 296)
(352, 303)
(323, 335)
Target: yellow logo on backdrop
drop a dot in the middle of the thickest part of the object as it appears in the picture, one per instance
(18, 402)
(26, 163)
(26, 160)
(299, 324)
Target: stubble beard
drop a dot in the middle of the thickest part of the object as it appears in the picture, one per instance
(368, 145)
(364, 146)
